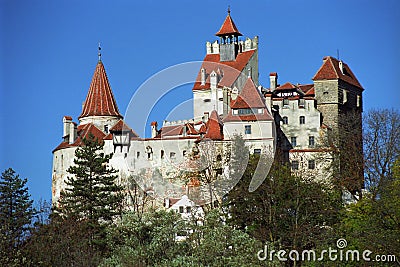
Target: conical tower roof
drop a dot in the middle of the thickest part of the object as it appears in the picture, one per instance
(100, 99)
(228, 27)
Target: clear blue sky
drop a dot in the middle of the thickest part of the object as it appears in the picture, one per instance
(49, 52)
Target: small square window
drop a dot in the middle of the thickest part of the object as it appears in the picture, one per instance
(172, 155)
(293, 141)
(247, 129)
(311, 164)
(302, 120)
(188, 209)
(295, 165)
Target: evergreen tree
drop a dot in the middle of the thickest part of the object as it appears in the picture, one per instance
(92, 194)
(16, 213)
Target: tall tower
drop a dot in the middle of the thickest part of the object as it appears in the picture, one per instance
(229, 39)
(225, 69)
(339, 98)
(100, 107)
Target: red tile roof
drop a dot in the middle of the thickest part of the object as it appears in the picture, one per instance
(305, 87)
(68, 118)
(286, 86)
(83, 132)
(330, 70)
(249, 97)
(121, 126)
(228, 27)
(214, 127)
(100, 99)
(230, 70)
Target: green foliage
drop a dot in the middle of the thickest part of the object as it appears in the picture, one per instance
(62, 243)
(374, 222)
(91, 192)
(16, 215)
(289, 212)
(145, 240)
(152, 241)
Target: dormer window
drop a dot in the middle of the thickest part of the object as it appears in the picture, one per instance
(285, 103)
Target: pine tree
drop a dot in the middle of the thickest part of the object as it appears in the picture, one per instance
(92, 193)
(16, 213)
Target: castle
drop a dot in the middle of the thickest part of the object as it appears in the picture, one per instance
(228, 100)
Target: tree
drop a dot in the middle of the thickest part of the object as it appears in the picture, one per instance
(16, 214)
(374, 223)
(92, 194)
(286, 211)
(381, 146)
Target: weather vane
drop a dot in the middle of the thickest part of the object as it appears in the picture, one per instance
(229, 9)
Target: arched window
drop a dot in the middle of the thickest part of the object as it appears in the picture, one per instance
(302, 120)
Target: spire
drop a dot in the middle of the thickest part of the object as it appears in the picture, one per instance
(228, 27)
(99, 53)
(100, 99)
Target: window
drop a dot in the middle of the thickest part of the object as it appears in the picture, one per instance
(219, 157)
(172, 155)
(358, 101)
(207, 100)
(162, 154)
(293, 141)
(302, 103)
(311, 141)
(295, 165)
(302, 119)
(257, 151)
(311, 164)
(286, 103)
(247, 129)
(188, 209)
(344, 96)
(106, 128)
(285, 120)
(180, 209)
(184, 153)
(137, 154)
(245, 111)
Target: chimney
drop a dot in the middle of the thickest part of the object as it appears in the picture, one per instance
(67, 120)
(273, 81)
(154, 130)
(72, 132)
(203, 76)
